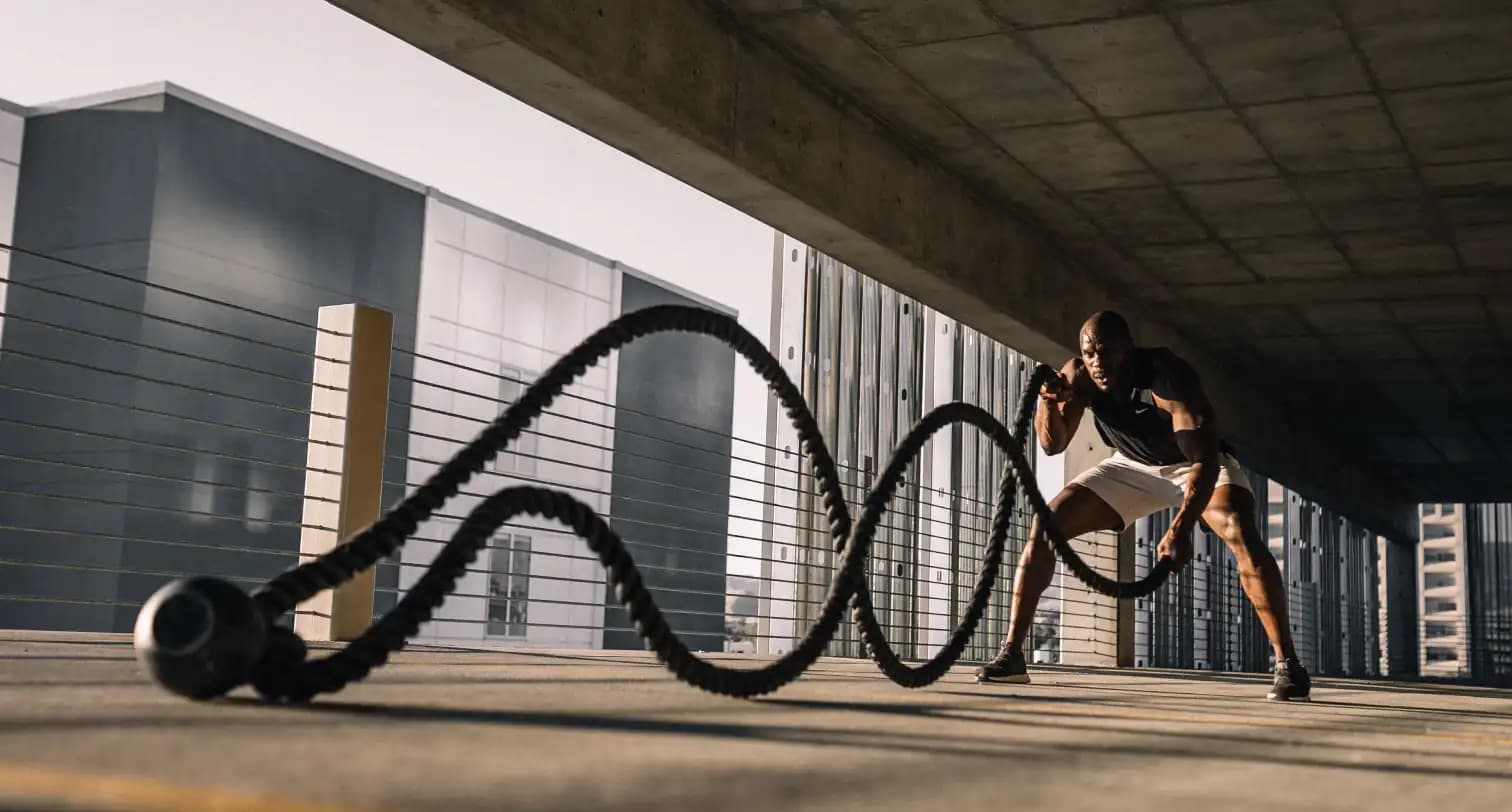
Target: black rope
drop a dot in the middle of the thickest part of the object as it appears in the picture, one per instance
(284, 673)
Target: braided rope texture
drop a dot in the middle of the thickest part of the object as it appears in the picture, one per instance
(284, 673)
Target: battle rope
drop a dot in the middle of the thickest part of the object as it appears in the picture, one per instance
(189, 647)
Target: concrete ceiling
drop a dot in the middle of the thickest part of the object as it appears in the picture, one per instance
(1324, 186)
(1312, 199)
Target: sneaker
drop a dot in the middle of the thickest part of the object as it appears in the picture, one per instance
(1008, 666)
(1292, 683)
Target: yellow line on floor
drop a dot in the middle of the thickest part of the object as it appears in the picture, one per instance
(104, 791)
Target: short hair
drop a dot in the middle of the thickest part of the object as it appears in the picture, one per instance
(1108, 325)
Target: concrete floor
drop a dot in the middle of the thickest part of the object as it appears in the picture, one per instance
(461, 730)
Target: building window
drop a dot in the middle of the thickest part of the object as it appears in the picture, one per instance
(508, 585)
(1440, 655)
(1438, 531)
(519, 459)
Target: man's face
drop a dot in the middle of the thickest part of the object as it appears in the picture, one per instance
(1108, 360)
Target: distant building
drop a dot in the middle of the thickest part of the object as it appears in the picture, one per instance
(1466, 591)
(140, 445)
(1442, 591)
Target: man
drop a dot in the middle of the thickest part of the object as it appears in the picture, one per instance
(1150, 408)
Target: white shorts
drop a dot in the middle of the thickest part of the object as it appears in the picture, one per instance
(1135, 490)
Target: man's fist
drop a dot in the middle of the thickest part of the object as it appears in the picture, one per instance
(1057, 389)
(1061, 390)
(1176, 545)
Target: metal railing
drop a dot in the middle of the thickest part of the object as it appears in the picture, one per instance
(150, 432)
(155, 432)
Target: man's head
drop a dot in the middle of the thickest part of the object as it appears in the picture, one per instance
(1107, 350)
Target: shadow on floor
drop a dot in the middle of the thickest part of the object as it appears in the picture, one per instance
(1277, 751)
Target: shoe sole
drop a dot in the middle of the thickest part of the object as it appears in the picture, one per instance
(1278, 698)
(1021, 679)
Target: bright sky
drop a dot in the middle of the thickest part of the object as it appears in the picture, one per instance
(308, 67)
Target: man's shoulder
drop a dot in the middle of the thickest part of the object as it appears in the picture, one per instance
(1164, 360)
(1170, 375)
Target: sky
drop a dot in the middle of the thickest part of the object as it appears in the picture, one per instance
(315, 70)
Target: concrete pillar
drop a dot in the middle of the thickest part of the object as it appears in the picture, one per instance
(344, 480)
(1399, 607)
(1124, 635)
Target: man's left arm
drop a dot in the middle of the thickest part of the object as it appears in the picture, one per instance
(1179, 392)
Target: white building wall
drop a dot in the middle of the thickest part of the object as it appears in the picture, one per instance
(939, 377)
(12, 125)
(498, 304)
(778, 624)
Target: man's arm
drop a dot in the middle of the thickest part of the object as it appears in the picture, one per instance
(1060, 409)
(1179, 391)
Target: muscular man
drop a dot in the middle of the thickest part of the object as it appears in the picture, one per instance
(1150, 408)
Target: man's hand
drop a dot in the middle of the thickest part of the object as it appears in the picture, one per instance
(1057, 389)
(1061, 389)
(1177, 545)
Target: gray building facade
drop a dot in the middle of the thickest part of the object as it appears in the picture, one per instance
(157, 413)
(1488, 561)
(870, 363)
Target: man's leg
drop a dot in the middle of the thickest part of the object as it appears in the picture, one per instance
(1230, 514)
(1077, 511)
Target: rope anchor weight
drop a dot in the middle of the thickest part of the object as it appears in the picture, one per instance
(202, 637)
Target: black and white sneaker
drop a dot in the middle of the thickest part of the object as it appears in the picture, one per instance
(1292, 683)
(1007, 667)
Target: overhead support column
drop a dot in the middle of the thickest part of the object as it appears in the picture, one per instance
(681, 86)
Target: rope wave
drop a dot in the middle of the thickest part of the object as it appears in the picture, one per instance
(285, 673)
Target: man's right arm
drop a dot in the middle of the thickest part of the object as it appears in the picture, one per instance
(1060, 410)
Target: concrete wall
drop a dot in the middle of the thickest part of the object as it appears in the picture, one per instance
(1399, 607)
(169, 193)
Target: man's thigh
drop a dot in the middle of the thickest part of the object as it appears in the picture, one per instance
(1078, 511)
(1130, 489)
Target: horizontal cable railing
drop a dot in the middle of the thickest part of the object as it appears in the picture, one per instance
(133, 452)
(138, 453)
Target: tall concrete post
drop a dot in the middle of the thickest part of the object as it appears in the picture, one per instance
(344, 476)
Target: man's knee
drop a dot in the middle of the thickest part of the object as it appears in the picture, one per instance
(1244, 541)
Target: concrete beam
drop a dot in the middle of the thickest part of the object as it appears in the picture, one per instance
(681, 86)
(1496, 286)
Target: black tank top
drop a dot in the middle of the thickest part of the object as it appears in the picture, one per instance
(1139, 428)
